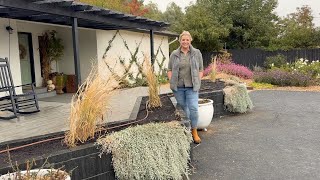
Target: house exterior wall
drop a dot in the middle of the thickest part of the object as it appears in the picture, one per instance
(87, 51)
(118, 49)
(14, 51)
(36, 30)
(92, 45)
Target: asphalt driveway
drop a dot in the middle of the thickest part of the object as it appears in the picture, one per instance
(279, 139)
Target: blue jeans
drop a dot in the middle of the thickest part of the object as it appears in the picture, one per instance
(188, 100)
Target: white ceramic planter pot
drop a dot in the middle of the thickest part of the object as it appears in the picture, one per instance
(34, 172)
(206, 111)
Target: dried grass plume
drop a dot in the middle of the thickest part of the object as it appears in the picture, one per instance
(154, 98)
(88, 106)
(213, 72)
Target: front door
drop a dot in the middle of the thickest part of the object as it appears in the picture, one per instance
(26, 58)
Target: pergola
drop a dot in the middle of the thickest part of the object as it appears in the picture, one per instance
(75, 14)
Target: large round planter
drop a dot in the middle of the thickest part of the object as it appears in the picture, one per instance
(37, 172)
(206, 111)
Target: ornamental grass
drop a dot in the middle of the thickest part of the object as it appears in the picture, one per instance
(151, 151)
(88, 106)
(213, 72)
(154, 98)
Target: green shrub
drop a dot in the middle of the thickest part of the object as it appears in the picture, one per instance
(275, 61)
(152, 151)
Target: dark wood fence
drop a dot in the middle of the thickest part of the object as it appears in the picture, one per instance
(256, 57)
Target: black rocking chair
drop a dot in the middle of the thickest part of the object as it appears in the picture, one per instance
(25, 103)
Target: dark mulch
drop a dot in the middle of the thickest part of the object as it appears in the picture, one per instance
(165, 113)
(208, 85)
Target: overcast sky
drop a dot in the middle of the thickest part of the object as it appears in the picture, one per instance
(284, 7)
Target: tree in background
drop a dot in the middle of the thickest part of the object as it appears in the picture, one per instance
(153, 11)
(175, 17)
(252, 23)
(297, 31)
(118, 5)
(134, 7)
(137, 8)
(238, 24)
(206, 26)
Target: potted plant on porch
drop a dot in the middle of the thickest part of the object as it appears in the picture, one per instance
(51, 50)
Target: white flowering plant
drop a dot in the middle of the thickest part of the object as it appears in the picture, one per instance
(305, 66)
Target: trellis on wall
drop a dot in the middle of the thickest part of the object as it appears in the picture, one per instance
(136, 78)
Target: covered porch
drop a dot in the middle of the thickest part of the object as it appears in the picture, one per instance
(82, 28)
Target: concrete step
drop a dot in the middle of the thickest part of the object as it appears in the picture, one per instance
(42, 92)
(37, 89)
(46, 94)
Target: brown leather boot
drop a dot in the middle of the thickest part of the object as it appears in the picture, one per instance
(195, 136)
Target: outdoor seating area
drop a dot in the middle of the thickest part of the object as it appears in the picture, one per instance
(24, 103)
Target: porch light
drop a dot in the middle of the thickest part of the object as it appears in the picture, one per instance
(9, 29)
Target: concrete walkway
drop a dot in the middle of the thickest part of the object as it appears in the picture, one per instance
(55, 112)
(279, 139)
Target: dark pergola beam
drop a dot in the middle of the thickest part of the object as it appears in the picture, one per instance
(56, 2)
(25, 5)
(63, 20)
(41, 17)
(152, 47)
(22, 14)
(75, 40)
(77, 7)
(5, 10)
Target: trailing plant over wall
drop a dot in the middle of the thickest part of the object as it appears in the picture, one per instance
(236, 97)
(151, 151)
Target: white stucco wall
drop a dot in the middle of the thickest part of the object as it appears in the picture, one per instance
(87, 41)
(93, 44)
(14, 51)
(118, 49)
(87, 51)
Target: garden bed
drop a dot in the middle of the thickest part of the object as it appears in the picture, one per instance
(84, 160)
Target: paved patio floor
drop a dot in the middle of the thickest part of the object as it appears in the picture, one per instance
(54, 113)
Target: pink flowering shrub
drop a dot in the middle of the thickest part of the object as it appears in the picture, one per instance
(207, 70)
(235, 69)
(231, 68)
